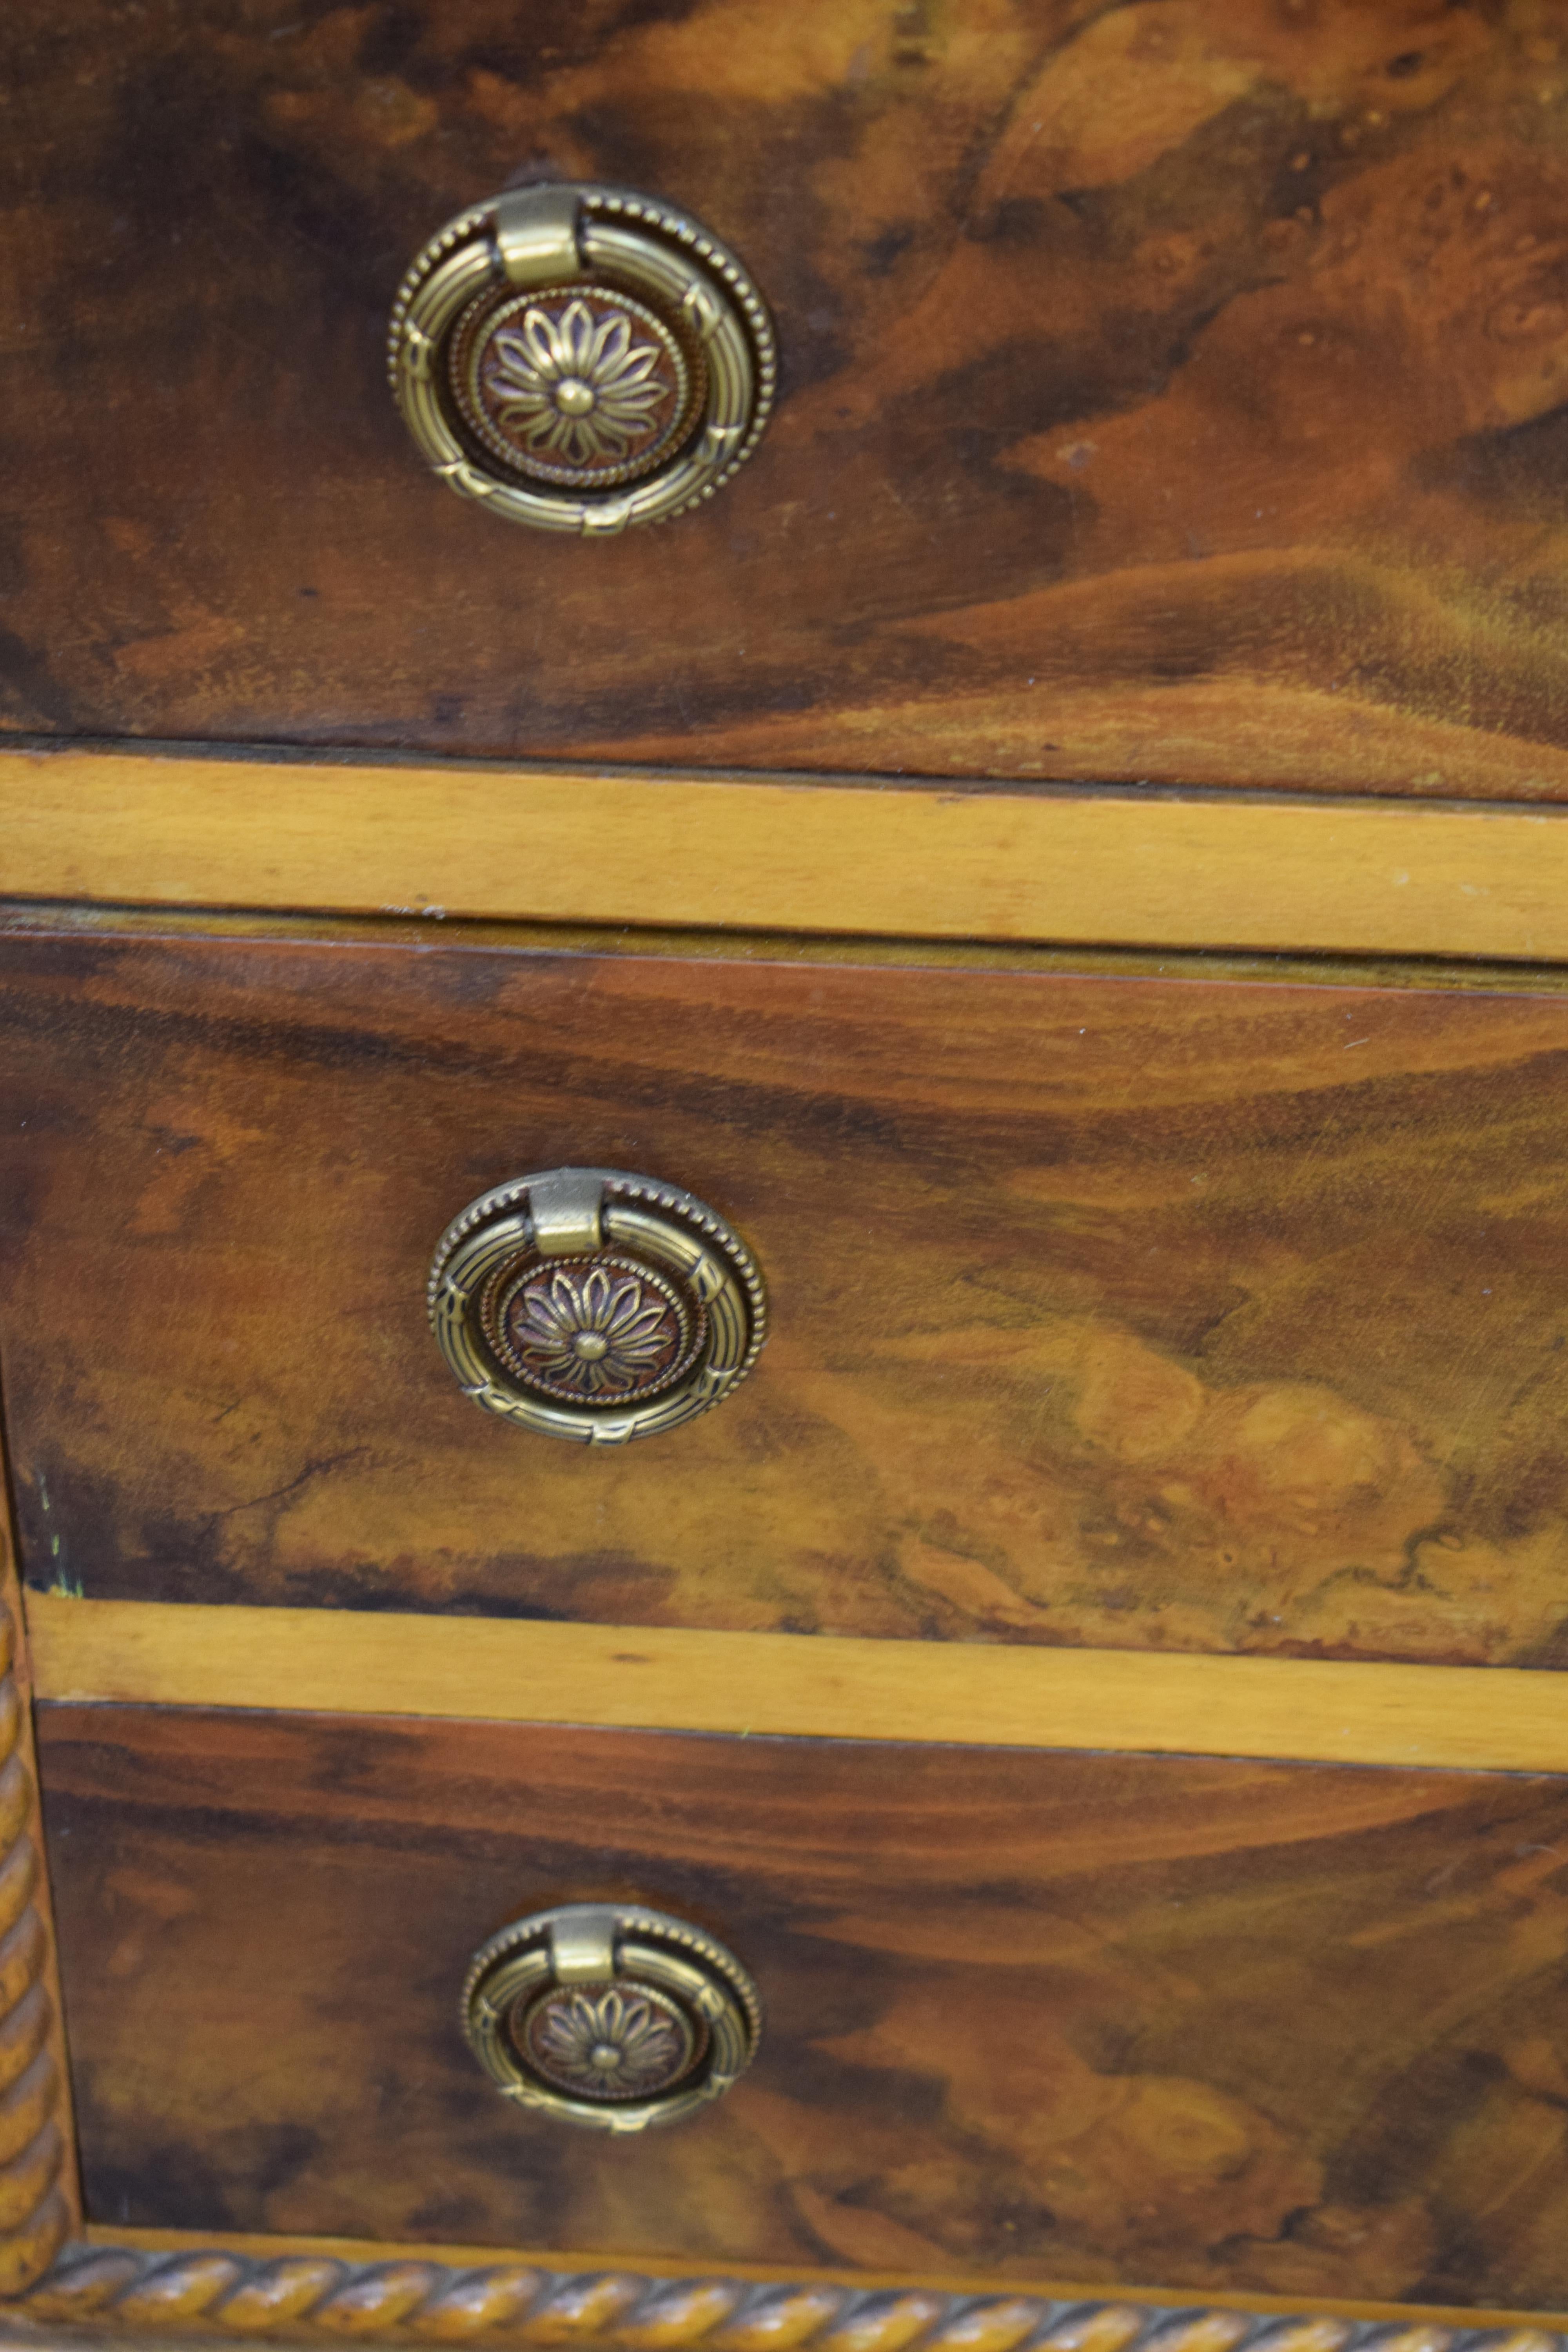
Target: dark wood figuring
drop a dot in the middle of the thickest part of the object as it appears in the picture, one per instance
(1172, 390)
(1107, 1310)
(1213, 2026)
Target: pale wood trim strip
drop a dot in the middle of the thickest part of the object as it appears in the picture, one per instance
(123, 2282)
(1078, 868)
(820, 1686)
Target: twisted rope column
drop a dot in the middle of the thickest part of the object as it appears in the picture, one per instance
(303, 2298)
(35, 2211)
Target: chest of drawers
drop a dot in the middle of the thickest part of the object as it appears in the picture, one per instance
(1055, 1791)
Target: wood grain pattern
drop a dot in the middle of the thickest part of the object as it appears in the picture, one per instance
(1111, 1312)
(1173, 391)
(457, 839)
(315, 2296)
(1226, 2026)
(820, 1685)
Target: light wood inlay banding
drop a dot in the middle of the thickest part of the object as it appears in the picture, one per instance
(656, 1678)
(787, 854)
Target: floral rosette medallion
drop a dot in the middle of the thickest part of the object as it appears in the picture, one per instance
(626, 2043)
(598, 1329)
(585, 387)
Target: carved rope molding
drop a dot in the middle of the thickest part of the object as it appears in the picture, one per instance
(303, 2298)
(35, 2214)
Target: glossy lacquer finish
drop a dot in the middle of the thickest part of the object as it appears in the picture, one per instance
(1139, 1312)
(1171, 390)
(1218, 2026)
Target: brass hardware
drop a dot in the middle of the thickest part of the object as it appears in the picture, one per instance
(580, 358)
(592, 1305)
(615, 2019)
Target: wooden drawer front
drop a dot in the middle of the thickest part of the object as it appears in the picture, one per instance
(1212, 2025)
(1105, 1310)
(1170, 392)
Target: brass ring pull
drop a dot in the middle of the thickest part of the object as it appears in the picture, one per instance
(592, 1305)
(615, 2019)
(580, 358)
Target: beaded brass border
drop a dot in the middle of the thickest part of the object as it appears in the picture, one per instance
(216, 2296)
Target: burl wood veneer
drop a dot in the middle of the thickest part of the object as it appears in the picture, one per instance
(1119, 1311)
(1222, 2026)
(1171, 391)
